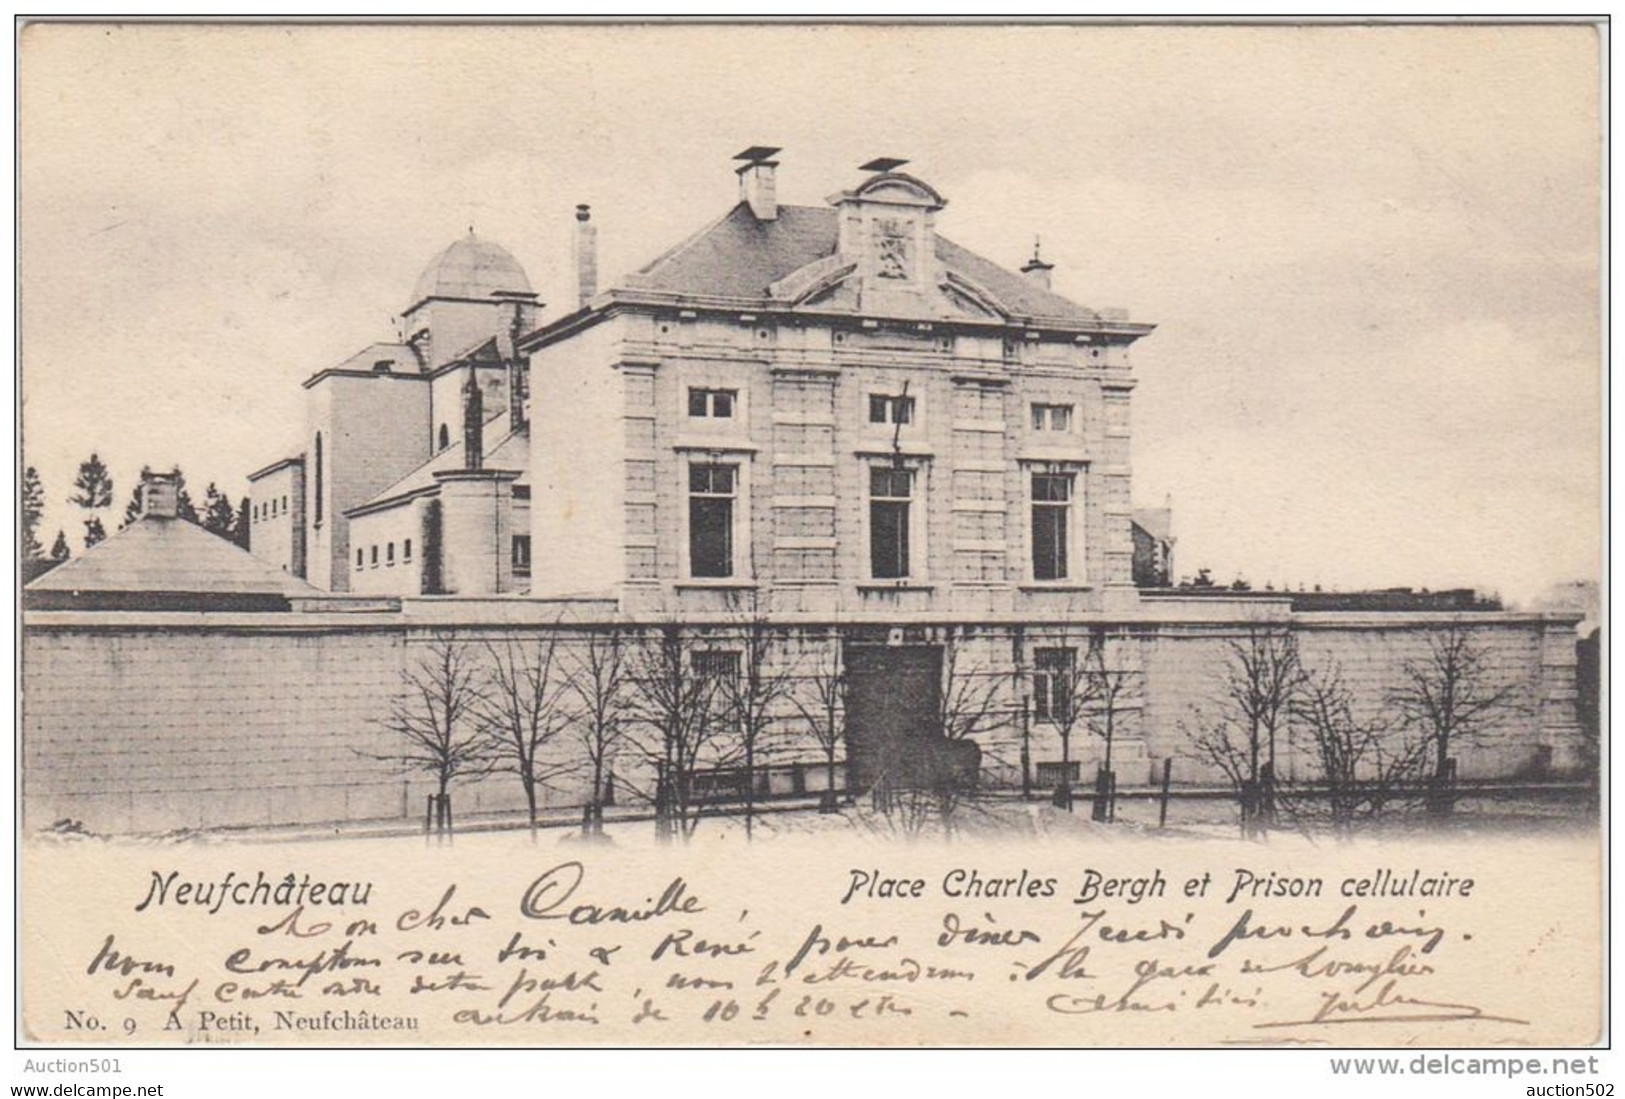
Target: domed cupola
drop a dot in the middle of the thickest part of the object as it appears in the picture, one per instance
(472, 268)
(470, 292)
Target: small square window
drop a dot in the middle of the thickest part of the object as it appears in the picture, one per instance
(1052, 417)
(889, 409)
(716, 404)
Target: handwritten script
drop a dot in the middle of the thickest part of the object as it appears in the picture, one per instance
(555, 949)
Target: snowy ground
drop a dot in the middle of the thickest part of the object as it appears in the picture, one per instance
(992, 817)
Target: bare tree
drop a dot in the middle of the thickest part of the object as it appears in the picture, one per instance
(1363, 762)
(432, 720)
(1083, 687)
(675, 704)
(1105, 691)
(753, 697)
(822, 706)
(1451, 697)
(599, 678)
(1263, 674)
(520, 713)
(1060, 683)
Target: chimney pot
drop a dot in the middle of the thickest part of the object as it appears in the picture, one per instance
(1036, 269)
(757, 187)
(586, 249)
(160, 495)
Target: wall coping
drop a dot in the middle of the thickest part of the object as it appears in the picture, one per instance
(475, 613)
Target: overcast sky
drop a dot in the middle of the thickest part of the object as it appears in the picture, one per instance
(1372, 254)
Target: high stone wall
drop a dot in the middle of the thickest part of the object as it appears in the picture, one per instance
(156, 722)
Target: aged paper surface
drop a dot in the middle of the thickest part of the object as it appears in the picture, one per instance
(1370, 257)
(1032, 942)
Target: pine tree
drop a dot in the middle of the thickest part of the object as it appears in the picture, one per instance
(94, 485)
(93, 492)
(184, 508)
(132, 510)
(240, 532)
(219, 517)
(33, 511)
(59, 548)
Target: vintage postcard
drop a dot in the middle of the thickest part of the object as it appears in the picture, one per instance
(812, 535)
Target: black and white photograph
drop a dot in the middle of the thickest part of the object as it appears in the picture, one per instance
(813, 534)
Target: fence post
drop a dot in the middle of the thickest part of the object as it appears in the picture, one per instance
(1026, 751)
(1441, 800)
(1167, 777)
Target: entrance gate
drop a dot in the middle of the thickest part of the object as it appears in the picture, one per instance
(892, 709)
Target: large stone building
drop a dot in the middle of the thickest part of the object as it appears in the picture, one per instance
(908, 461)
(834, 409)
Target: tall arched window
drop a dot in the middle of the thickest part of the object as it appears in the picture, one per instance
(445, 437)
(318, 449)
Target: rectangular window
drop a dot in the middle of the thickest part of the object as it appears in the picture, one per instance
(717, 666)
(406, 551)
(389, 553)
(1052, 417)
(1053, 675)
(1052, 513)
(890, 497)
(374, 556)
(1053, 773)
(716, 404)
(888, 409)
(360, 558)
(521, 553)
(711, 490)
(284, 505)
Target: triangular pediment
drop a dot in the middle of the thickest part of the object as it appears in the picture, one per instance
(836, 283)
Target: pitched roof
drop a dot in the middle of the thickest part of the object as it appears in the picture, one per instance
(740, 256)
(1157, 522)
(506, 450)
(169, 555)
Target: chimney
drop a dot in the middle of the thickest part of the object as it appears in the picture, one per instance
(1036, 269)
(586, 249)
(756, 186)
(473, 424)
(160, 495)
